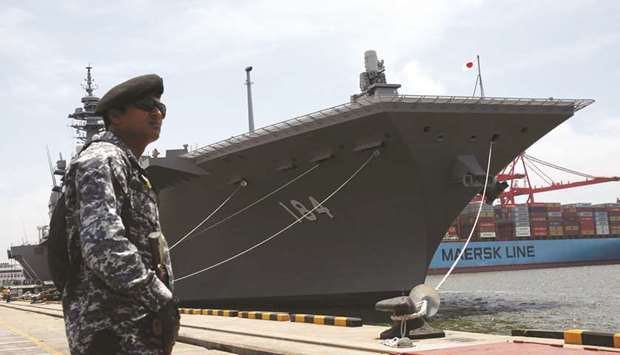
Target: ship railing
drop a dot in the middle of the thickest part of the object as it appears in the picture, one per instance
(274, 130)
(363, 105)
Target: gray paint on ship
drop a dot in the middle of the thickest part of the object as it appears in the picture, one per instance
(387, 222)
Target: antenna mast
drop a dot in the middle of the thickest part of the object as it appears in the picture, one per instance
(49, 162)
(248, 82)
(90, 86)
(85, 122)
(478, 79)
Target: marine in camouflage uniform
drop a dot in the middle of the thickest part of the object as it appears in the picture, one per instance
(110, 305)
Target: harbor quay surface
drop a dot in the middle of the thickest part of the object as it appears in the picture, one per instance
(39, 329)
(29, 330)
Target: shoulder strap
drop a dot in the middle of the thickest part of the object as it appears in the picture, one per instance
(87, 144)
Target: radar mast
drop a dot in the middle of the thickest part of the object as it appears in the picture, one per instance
(85, 122)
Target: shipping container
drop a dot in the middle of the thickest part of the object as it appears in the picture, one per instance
(537, 220)
(556, 232)
(602, 230)
(578, 205)
(522, 232)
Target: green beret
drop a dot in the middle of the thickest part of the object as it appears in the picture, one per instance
(131, 91)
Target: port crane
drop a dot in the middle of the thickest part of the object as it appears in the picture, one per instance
(530, 164)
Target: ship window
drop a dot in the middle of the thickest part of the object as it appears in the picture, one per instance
(440, 138)
(427, 129)
(524, 129)
(473, 138)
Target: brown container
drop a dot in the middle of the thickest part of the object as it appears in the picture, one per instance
(537, 204)
(571, 229)
(556, 231)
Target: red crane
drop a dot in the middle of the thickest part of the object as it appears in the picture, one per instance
(530, 164)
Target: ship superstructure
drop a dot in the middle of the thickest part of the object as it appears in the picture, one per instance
(85, 121)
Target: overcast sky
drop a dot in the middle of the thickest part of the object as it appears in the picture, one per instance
(306, 56)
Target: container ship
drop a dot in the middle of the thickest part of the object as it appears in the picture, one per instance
(534, 235)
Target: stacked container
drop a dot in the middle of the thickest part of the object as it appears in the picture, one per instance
(538, 220)
(452, 234)
(521, 218)
(601, 220)
(584, 217)
(570, 221)
(485, 229)
(504, 222)
(554, 219)
(613, 214)
(486, 223)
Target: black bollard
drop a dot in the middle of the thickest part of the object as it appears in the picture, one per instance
(417, 328)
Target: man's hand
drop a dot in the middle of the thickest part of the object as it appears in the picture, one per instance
(166, 325)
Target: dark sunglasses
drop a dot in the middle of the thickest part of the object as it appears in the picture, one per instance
(149, 104)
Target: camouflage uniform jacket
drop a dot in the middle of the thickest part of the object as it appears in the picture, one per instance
(111, 210)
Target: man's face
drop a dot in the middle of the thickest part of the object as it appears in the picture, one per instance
(141, 122)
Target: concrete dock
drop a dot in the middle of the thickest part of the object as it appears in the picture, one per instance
(39, 329)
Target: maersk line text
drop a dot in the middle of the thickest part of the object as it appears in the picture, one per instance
(490, 253)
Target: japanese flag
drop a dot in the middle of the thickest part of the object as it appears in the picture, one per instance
(469, 65)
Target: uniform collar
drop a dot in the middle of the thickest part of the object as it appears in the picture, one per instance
(110, 137)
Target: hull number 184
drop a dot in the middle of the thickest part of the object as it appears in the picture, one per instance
(303, 210)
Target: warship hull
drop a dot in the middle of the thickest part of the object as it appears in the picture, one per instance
(373, 238)
(33, 259)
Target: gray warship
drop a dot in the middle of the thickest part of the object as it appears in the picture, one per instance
(33, 257)
(343, 206)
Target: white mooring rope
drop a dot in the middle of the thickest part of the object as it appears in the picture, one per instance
(258, 201)
(241, 210)
(209, 216)
(484, 190)
(374, 154)
(405, 342)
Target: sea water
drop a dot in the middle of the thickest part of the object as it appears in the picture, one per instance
(585, 297)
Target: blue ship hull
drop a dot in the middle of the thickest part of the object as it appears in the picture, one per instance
(525, 254)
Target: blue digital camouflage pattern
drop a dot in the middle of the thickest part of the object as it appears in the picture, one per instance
(111, 211)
